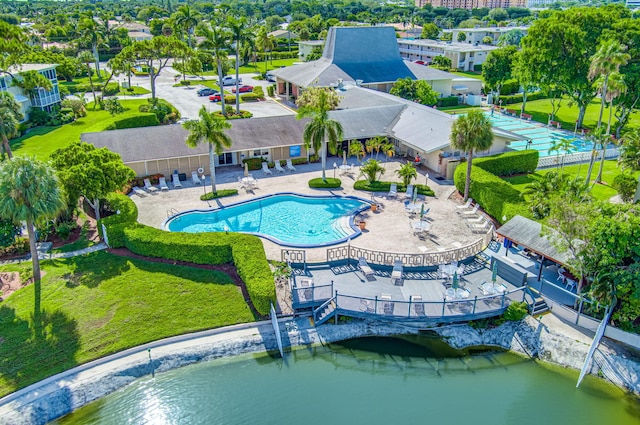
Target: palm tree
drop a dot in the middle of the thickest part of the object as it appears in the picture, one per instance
(630, 150)
(209, 129)
(265, 43)
(389, 150)
(356, 149)
(29, 192)
(562, 145)
(86, 58)
(92, 33)
(407, 172)
(10, 117)
(609, 57)
(616, 87)
(471, 132)
(240, 36)
(186, 19)
(372, 170)
(217, 39)
(376, 144)
(321, 129)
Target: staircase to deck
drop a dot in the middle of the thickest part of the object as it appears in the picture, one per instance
(537, 305)
(325, 312)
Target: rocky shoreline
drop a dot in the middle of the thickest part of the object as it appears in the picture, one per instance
(547, 340)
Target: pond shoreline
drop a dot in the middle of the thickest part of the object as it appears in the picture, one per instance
(548, 339)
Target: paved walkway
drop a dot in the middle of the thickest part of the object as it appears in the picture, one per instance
(51, 256)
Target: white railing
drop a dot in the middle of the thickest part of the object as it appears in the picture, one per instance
(555, 160)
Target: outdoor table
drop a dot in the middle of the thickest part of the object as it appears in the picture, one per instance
(449, 269)
(419, 225)
(345, 168)
(413, 208)
(248, 180)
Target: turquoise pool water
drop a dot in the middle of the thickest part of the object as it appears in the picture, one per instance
(370, 381)
(543, 138)
(287, 219)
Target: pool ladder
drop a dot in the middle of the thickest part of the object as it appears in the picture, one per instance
(172, 211)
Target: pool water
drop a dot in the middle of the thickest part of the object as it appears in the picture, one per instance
(373, 381)
(287, 219)
(543, 138)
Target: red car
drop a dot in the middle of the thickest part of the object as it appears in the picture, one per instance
(420, 62)
(243, 89)
(215, 97)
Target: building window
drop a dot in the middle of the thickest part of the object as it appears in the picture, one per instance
(225, 159)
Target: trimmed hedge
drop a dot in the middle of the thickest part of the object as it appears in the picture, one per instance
(254, 164)
(249, 97)
(110, 90)
(219, 194)
(517, 98)
(443, 102)
(258, 91)
(331, 183)
(366, 186)
(509, 163)
(245, 251)
(144, 119)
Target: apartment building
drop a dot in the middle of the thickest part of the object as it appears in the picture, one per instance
(472, 4)
(463, 56)
(476, 35)
(41, 98)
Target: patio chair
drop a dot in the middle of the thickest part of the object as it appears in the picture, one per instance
(418, 307)
(194, 178)
(279, 168)
(472, 212)
(149, 187)
(561, 277)
(265, 168)
(242, 185)
(466, 205)
(141, 193)
(393, 191)
(409, 192)
(365, 268)
(396, 273)
(387, 304)
(163, 184)
(175, 179)
(366, 306)
(570, 284)
(290, 166)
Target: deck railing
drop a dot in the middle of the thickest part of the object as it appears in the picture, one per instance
(555, 160)
(305, 297)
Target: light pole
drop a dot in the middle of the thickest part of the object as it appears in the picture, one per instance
(426, 179)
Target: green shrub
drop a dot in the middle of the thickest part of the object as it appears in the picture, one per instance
(229, 99)
(516, 311)
(477, 67)
(219, 194)
(517, 98)
(443, 102)
(249, 97)
(231, 115)
(111, 89)
(185, 82)
(64, 229)
(509, 163)
(142, 120)
(329, 184)
(626, 185)
(258, 91)
(271, 90)
(298, 161)
(125, 213)
(509, 87)
(254, 163)
(366, 186)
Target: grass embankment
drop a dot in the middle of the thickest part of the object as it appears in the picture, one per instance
(98, 83)
(256, 68)
(42, 141)
(602, 192)
(99, 304)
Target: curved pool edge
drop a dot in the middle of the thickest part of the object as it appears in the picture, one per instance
(356, 230)
(60, 394)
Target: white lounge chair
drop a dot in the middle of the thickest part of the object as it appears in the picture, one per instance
(163, 184)
(365, 268)
(265, 168)
(466, 205)
(194, 178)
(409, 193)
(141, 193)
(387, 304)
(290, 166)
(472, 212)
(279, 168)
(149, 187)
(418, 306)
(396, 273)
(393, 191)
(175, 179)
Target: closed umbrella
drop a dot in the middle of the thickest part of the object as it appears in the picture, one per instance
(246, 169)
(494, 274)
(422, 212)
(415, 195)
(344, 157)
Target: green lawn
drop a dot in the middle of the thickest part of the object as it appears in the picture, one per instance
(258, 68)
(42, 141)
(469, 74)
(567, 115)
(99, 304)
(600, 191)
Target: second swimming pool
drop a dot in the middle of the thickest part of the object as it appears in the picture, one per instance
(285, 218)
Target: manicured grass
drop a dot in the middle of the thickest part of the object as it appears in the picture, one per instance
(99, 304)
(135, 91)
(567, 115)
(258, 68)
(600, 191)
(469, 74)
(459, 109)
(42, 141)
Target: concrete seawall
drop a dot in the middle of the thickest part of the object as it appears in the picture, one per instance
(549, 340)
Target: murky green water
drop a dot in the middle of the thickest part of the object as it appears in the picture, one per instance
(367, 381)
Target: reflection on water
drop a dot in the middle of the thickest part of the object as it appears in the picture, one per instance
(366, 381)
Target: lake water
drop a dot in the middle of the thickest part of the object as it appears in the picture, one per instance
(366, 381)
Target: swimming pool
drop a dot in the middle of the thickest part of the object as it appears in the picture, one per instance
(542, 138)
(287, 219)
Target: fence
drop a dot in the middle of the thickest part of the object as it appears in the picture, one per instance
(310, 296)
(554, 161)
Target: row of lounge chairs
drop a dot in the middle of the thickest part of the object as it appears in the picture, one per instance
(278, 167)
(162, 184)
(386, 304)
(396, 272)
(475, 220)
(393, 191)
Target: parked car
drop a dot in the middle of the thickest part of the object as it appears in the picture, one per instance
(420, 62)
(206, 91)
(270, 77)
(243, 89)
(215, 97)
(230, 80)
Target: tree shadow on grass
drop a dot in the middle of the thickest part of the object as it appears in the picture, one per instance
(35, 348)
(90, 270)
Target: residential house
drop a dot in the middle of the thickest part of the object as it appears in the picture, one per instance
(41, 98)
(463, 56)
(472, 4)
(305, 47)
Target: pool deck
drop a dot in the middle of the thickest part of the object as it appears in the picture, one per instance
(387, 230)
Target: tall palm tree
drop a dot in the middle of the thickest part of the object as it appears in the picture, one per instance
(561, 145)
(616, 87)
(29, 192)
(218, 40)
(186, 19)
(356, 149)
(321, 130)
(86, 58)
(92, 33)
(407, 172)
(265, 43)
(629, 158)
(609, 57)
(240, 35)
(10, 116)
(471, 132)
(209, 129)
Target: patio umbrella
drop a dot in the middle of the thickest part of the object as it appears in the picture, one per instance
(344, 157)
(422, 212)
(454, 282)
(246, 169)
(494, 272)
(415, 195)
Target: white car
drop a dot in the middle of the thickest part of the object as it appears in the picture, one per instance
(230, 80)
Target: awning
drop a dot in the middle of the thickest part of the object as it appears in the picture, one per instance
(527, 233)
(20, 98)
(460, 88)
